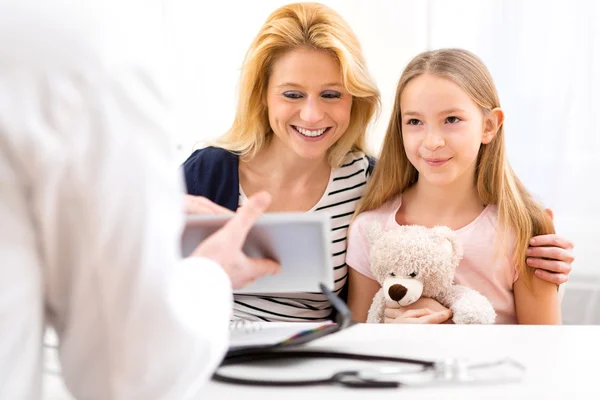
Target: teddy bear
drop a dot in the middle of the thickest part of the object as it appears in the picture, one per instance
(412, 261)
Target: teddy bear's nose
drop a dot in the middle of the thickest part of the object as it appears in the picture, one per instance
(397, 292)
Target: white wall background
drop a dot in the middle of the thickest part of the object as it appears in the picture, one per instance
(544, 56)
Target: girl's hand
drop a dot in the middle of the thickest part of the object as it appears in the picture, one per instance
(423, 311)
(552, 255)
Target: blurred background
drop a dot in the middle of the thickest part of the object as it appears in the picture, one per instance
(543, 55)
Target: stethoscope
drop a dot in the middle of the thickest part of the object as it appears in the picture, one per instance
(451, 371)
(422, 372)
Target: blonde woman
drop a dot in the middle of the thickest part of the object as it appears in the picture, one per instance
(306, 99)
(444, 163)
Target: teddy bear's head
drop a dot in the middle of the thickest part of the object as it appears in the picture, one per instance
(413, 261)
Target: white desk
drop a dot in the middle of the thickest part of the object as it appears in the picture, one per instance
(562, 363)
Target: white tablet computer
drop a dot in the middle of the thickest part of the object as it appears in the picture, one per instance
(299, 241)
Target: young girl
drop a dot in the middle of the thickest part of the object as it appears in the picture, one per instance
(443, 162)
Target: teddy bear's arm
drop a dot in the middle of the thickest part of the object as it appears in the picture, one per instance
(377, 309)
(468, 306)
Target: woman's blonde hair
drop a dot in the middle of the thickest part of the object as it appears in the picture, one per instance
(496, 181)
(293, 26)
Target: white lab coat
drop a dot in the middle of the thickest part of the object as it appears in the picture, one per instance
(91, 211)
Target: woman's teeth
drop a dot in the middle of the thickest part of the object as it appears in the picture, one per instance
(310, 133)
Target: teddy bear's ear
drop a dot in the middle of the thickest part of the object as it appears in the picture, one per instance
(373, 232)
(454, 245)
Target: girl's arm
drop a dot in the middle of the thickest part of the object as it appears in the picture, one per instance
(539, 304)
(361, 291)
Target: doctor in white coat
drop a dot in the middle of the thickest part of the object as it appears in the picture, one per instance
(89, 227)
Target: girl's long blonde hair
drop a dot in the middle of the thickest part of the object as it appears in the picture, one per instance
(290, 27)
(496, 182)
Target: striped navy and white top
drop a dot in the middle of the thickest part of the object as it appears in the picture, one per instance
(345, 188)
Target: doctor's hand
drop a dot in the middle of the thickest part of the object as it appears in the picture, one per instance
(422, 311)
(225, 245)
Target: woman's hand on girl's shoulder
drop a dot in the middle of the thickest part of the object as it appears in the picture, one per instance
(552, 255)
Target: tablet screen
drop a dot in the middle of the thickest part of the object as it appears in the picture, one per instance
(300, 242)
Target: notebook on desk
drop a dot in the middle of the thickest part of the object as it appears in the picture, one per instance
(251, 334)
(252, 337)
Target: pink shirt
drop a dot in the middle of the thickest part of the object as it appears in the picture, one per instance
(482, 267)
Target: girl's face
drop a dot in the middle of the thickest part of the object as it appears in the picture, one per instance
(442, 129)
(309, 109)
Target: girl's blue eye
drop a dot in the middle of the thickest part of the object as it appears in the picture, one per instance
(292, 95)
(331, 94)
(413, 122)
(453, 120)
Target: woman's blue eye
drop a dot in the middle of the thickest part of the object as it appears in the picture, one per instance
(453, 120)
(413, 122)
(293, 95)
(331, 95)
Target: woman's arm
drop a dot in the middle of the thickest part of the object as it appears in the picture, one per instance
(539, 304)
